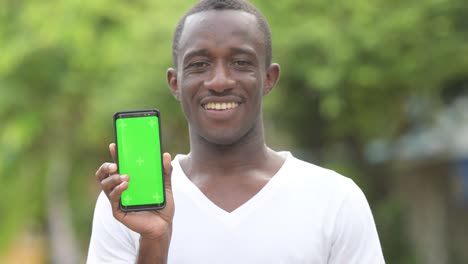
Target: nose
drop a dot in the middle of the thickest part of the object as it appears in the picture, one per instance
(220, 79)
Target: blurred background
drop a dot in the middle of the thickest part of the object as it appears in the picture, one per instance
(376, 90)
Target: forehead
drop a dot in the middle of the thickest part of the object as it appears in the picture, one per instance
(221, 28)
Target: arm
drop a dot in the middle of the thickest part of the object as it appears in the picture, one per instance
(154, 250)
(154, 227)
(355, 238)
(110, 242)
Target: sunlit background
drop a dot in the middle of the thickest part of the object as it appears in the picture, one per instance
(377, 90)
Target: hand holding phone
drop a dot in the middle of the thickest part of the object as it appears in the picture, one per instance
(154, 226)
(139, 155)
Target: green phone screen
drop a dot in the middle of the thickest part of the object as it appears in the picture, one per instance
(139, 156)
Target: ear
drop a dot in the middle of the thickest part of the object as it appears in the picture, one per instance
(272, 77)
(171, 76)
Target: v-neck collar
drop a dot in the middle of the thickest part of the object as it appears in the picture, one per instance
(190, 189)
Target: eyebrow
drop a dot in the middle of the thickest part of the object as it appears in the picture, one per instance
(248, 51)
(194, 53)
(205, 52)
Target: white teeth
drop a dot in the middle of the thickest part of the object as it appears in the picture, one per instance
(220, 106)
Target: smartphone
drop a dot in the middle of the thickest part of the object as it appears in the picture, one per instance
(139, 155)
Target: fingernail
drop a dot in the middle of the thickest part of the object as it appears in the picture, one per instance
(112, 167)
(124, 177)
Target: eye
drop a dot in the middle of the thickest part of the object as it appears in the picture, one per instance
(241, 63)
(198, 64)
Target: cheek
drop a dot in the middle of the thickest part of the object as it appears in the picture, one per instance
(186, 99)
(257, 91)
(187, 109)
(188, 90)
(250, 81)
(186, 93)
(190, 85)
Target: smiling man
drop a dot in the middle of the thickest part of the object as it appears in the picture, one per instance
(236, 199)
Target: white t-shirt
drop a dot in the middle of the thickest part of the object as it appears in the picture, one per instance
(304, 214)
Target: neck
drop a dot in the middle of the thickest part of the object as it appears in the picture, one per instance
(249, 152)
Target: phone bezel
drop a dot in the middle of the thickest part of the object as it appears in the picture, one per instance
(132, 114)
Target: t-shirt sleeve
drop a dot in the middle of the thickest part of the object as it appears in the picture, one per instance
(355, 238)
(111, 241)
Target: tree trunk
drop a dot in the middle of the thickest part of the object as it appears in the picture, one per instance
(63, 247)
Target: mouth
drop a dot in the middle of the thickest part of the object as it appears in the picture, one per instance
(220, 106)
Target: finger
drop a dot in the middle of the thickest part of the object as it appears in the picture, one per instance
(111, 182)
(167, 170)
(112, 152)
(105, 170)
(115, 194)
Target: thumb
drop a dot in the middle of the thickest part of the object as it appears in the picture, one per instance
(113, 151)
(167, 170)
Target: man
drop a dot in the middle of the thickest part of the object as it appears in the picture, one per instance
(236, 200)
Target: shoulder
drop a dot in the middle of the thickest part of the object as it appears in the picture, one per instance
(325, 190)
(110, 240)
(305, 172)
(349, 224)
(104, 219)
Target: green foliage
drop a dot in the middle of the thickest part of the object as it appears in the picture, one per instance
(348, 68)
(389, 217)
(359, 61)
(66, 67)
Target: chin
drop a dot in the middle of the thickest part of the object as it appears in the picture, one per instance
(222, 139)
(228, 137)
(224, 135)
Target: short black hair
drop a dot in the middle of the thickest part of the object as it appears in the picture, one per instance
(241, 5)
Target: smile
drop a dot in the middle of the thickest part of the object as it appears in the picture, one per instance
(220, 106)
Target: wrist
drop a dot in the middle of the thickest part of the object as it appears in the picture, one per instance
(156, 238)
(154, 248)
(162, 234)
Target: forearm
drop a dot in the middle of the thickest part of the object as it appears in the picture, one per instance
(154, 251)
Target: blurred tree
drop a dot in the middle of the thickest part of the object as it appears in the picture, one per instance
(350, 70)
(67, 66)
(358, 62)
